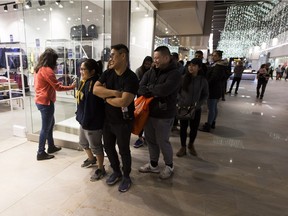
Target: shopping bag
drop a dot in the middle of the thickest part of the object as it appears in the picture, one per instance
(141, 114)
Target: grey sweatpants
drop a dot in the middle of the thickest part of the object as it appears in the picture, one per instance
(157, 133)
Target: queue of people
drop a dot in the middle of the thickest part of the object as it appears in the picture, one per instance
(105, 107)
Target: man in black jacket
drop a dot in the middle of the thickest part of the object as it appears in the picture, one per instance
(161, 82)
(216, 75)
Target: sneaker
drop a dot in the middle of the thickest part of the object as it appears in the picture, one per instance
(99, 173)
(44, 156)
(125, 184)
(113, 178)
(181, 152)
(53, 149)
(138, 143)
(88, 163)
(166, 172)
(148, 168)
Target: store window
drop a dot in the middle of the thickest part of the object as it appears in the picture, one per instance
(75, 29)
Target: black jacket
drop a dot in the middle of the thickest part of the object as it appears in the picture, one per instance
(216, 75)
(90, 108)
(163, 85)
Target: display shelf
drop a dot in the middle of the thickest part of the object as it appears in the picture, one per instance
(11, 89)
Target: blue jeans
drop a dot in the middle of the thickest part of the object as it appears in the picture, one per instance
(213, 111)
(48, 121)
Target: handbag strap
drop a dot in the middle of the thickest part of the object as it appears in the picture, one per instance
(195, 91)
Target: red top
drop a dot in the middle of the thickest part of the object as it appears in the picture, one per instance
(46, 85)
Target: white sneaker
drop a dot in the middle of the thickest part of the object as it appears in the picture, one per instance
(148, 168)
(166, 172)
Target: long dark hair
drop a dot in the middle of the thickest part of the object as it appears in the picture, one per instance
(146, 59)
(47, 59)
(91, 65)
(186, 81)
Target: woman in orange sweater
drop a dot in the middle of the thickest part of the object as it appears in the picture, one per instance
(46, 85)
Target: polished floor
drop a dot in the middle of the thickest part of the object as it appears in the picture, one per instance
(242, 169)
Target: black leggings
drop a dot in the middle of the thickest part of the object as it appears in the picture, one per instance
(194, 124)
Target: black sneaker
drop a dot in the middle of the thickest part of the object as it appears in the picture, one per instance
(213, 125)
(88, 163)
(205, 128)
(113, 178)
(99, 173)
(125, 184)
(53, 149)
(44, 156)
(138, 143)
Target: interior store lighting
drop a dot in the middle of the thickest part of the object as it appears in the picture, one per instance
(57, 2)
(137, 5)
(146, 14)
(5, 8)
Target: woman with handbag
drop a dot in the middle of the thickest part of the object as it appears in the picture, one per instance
(193, 94)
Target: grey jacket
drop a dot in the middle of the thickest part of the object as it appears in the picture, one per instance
(198, 92)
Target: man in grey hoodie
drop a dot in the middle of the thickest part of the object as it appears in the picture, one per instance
(161, 82)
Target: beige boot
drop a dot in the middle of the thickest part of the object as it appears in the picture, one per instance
(181, 152)
(192, 150)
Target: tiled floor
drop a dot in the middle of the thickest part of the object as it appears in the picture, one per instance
(242, 169)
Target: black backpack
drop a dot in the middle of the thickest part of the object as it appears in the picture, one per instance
(78, 32)
(92, 31)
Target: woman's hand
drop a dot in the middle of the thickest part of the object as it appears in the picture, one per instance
(74, 83)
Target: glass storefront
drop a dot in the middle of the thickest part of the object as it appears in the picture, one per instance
(75, 29)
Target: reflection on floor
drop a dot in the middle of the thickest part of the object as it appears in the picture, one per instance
(241, 169)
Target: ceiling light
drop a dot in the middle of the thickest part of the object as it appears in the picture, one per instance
(57, 2)
(146, 14)
(15, 7)
(137, 6)
(28, 5)
(5, 8)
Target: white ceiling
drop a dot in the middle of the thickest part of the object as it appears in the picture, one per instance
(185, 18)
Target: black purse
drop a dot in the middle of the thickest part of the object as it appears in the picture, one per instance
(186, 112)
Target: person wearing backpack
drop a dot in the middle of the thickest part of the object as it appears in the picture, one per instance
(90, 115)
